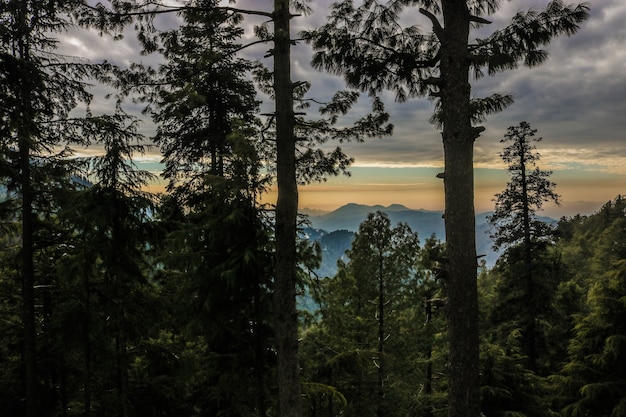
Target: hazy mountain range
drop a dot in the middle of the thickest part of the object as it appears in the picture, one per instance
(335, 230)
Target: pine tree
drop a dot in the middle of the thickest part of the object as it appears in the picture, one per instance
(111, 218)
(288, 158)
(202, 96)
(39, 89)
(592, 380)
(515, 215)
(373, 52)
(363, 358)
(525, 236)
(430, 295)
(218, 252)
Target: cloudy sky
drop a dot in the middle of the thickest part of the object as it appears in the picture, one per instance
(576, 101)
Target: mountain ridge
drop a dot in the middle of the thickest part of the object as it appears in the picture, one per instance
(351, 215)
(426, 223)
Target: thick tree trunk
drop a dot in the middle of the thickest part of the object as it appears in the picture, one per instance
(458, 140)
(286, 317)
(380, 411)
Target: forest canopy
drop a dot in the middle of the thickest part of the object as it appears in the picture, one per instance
(118, 302)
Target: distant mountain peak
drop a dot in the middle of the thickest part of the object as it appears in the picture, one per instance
(397, 207)
(313, 212)
(392, 207)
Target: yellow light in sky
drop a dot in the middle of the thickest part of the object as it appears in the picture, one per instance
(582, 191)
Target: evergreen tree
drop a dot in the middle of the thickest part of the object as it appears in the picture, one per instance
(524, 236)
(508, 383)
(202, 96)
(369, 47)
(593, 380)
(430, 293)
(362, 315)
(515, 215)
(217, 262)
(218, 251)
(11, 369)
(507, 386)
(532, 314)
(283, 91)
(109, 265)
(39, 89)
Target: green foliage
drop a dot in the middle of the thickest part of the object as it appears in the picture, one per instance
(313, 162)
(11, 330)
(202, 96)
(514, 307)
(39, 90)
(107, 273)
(368, 46)
(522, 39)
(593, 379)
(215, 262)
(215, 252)
(154, 311)
(508, 387)
(526, 274)
(370, 327)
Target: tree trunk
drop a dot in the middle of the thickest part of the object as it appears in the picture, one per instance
(458, 141)
(529, 328)
(380, 410)
(87, 341)
(28, 283)
(121, 362)
(286, 316)
(259, 362)
(428, 388)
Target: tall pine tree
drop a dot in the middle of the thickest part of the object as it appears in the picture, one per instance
(39, 89)
(525, 237)
(369, 47)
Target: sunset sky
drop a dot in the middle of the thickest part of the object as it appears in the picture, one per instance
(576, 101)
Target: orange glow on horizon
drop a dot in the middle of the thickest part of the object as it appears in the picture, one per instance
(330, 197)
(582, 192)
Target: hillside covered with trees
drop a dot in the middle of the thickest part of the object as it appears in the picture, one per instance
(118, 302)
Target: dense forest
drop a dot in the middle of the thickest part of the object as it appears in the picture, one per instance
(118, 302)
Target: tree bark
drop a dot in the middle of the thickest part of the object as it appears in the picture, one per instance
(458, 140)
(380, 411)
(286, 316)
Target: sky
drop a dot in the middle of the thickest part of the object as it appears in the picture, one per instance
(576, 101)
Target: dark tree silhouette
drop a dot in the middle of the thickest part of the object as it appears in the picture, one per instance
(529, 188)
(516, 224)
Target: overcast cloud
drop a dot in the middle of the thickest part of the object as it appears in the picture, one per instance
(576, 100)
